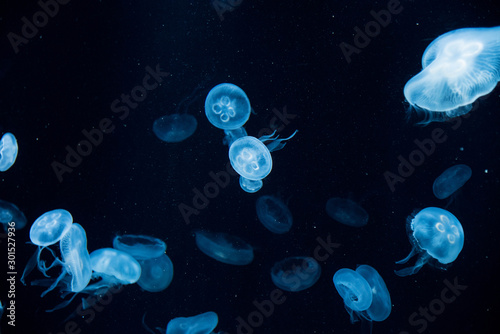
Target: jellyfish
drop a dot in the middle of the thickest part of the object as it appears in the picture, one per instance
(156, 273)
(175, 128)
(451, 180)
(141, 247)
(227, 107)
(224, 247)
(364, 293)
(203, 323)
(295, 273)
(458, 67)
(274, 214)
(10, 213)
(47, 230)
(250, 186)
(232, 135)
(251, 158)
(8, 151)
(346, 212)
(437, 237)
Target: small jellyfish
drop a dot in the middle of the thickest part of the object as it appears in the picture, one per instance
(227, 107)
(203, 323)
(10, 213)
(295, 273)
(224, 247)
(274, 214)
(436, 235)
(175, 128)
(451, 180)
(364, 293)
(250, 186)
(8, 151)
(141, 247)
(458, 67)
(347, 212)
(156, 273)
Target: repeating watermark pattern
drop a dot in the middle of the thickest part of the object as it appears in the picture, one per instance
(201, 198)
(436, 307)
(265, 308)
(372, 29)
(30, 28)
(222, 6)
(94, 137)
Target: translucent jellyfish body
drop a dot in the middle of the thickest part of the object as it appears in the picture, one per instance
(50, 227)
(458, 67)
(224, 247)
(8, 151)
(346, 212)
(203, 323)
(175, 128)
(141, 247)
(364, 293)
(451, 180)
(274, 214)
(227, 107)
(295, 273)
(436, 235)
(10, 213)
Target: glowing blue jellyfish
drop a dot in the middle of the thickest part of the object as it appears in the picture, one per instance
(451, 180)
(458, 67)
(141, 247)
(232, 135)
(8, 151)
(199, 324)
(250, 186)
(114, 267)
(175, 128)
(346, 212)
(436, 235)
(224, 247)
(227, 107)
(156, 273)
(364, 293)
(274, 214)
(10, 213)
(295, 273)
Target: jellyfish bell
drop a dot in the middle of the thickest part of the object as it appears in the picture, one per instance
(225, 248)
(227, 107)
(141, 247)
(250, 186)
(203, 323)
(8, 151)
(437, 237)
(9, 213)
(458, 67)
(156, 273)
(175, 128)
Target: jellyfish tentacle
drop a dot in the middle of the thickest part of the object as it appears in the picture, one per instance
(412, 253)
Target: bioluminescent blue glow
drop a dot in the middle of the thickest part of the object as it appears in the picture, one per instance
(224, 247)
(8, 151)
(114, 267)
(227, 107)
(458, 67)
(275, 143)
(250, 158)
(232, 135)
(175, 128)
(141, 247)
(435, 234)
(364, 293)
(50, 227)
(274, 214)
(346, 212)
(156, 273)
(250, 186)
(295, 273)
(9, 212)
(451, 180)
(203, 323)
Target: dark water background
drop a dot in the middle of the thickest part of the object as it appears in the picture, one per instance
(284, 54)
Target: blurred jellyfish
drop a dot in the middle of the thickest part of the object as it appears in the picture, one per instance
(10, 213)
(175, 128)
(274, 214)
(199, 324)
(458, 67)
(437, 237)
(141, 247)
(364, 293)
(227, 107)
(451, 180)
(295, 273)
(224, 247)
(8, 151)
(250, 186)
(346, 212)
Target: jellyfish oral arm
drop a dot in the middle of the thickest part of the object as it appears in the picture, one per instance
(412, 270)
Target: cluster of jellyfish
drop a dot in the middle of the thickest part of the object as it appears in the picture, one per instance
(133, 259)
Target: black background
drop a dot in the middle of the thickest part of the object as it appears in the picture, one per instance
(352, 126)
